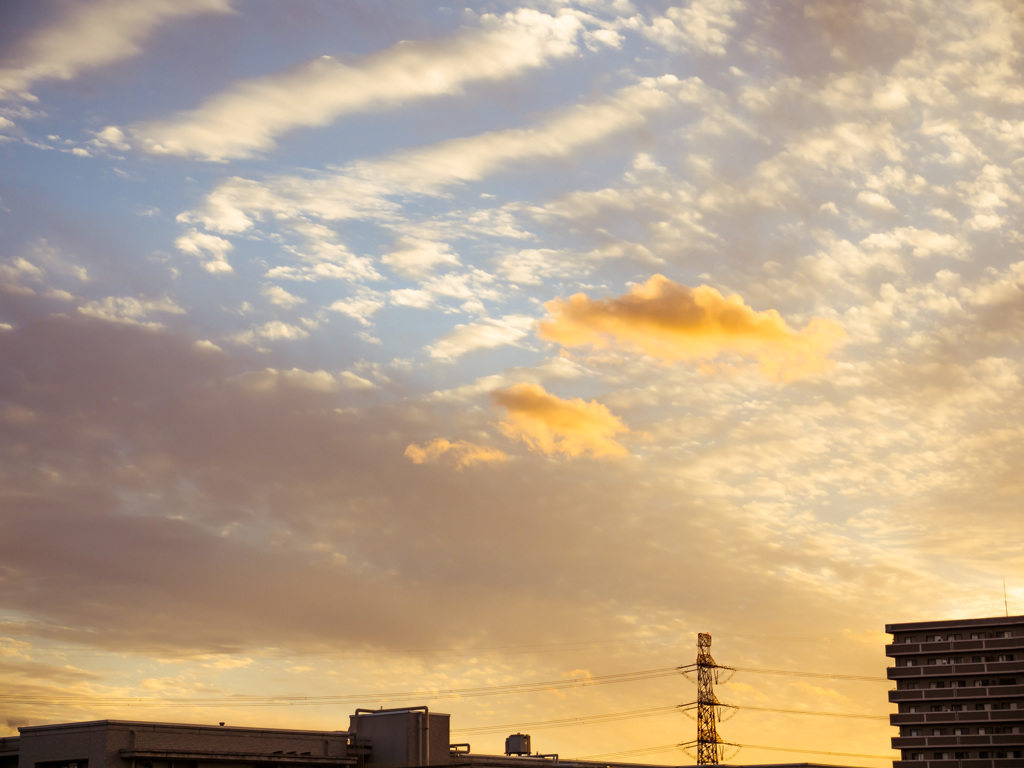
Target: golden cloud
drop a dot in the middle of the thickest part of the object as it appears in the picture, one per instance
(461, 453)
(551, 425)
(671, 321)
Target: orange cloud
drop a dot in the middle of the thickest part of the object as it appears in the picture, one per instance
(460, 453)
(551, 425)
(672, 321)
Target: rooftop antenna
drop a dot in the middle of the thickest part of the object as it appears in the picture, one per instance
(1006, 605)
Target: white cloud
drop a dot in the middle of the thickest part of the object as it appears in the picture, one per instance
(278, 296)
(91, 35)
(875, 200)
(111, 136)
(416, 258)
(485, 334)
(212, 250)
(923, 243)
(129, 310)
(361, 189)
(274, 330)
(297, 378)
(362, 306)
(702, 26)
(206, 345)
(246, 118)
(352, 380)
(430, 169)
(470, 287)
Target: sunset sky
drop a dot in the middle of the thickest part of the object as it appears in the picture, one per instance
(352, 348)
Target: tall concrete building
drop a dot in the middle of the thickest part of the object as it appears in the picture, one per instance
(960, 692)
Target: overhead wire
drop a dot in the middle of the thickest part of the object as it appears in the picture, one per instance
(448, 693)
(802, 673)
(570, 721)
(809, 751)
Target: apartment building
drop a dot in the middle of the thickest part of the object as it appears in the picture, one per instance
(959, 692)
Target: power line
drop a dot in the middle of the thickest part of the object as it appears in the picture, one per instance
(570, 721)
(247, 700)
(811, 751)
(808, 712)
(799, 673)
(651, 712)
(628, 752)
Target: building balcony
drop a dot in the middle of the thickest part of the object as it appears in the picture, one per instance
(992, 644)
(1002, 717)
(966, 669)
(965, 694)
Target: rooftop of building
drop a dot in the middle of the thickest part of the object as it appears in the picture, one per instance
(995, 621)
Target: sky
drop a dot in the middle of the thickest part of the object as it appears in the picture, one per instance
(376, 350)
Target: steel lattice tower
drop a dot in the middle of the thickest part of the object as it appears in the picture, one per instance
(709, 748)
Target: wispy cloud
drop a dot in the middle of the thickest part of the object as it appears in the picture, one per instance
(130, 310)
(485, 334)
(248, 117)
(91, 35)
(362, 187)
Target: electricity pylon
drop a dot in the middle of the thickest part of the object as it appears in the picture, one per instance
(709, 746)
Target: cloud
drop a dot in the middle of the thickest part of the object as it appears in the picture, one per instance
(548, 424)
(129, 310)
(212, 250)
(460, 453)
(362, 188)
(416, 258)
(670, 321)
(91, 35)
(247, 117)
(361, 307)
(278, 296)
(486, 334)
(702, 26)
(273, 330)
(270, 379)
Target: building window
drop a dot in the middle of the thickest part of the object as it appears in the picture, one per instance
(936, 731)
(954, 637)
(909, 639)
(1002, 633)
(958, 731)
(977, 635)
(912, 709)
(915, 732)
